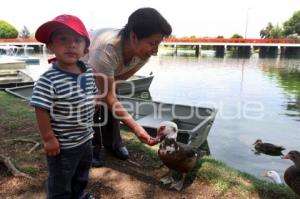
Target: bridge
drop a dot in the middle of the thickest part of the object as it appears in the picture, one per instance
(245, 46)
(221, 45)
(232, 42)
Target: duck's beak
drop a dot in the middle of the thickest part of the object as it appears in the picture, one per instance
(264, 174)
(160, 129)
(160, 135)
(287, 156)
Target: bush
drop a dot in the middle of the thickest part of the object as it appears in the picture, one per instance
(7, 30)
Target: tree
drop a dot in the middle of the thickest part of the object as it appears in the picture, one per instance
(235, 35)
(276, 32)
(7, 30)
(24, 33)
(292, 25)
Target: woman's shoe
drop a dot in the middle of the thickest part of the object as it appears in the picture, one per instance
(121, 153)
(98, 157)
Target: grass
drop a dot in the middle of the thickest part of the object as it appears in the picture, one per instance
(18, 122)
(14, 112)
(31, 170)
(229, 183)
(226, 180)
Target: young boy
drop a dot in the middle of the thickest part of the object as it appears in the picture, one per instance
(63, 98)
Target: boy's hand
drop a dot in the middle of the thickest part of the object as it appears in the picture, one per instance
(51, 146)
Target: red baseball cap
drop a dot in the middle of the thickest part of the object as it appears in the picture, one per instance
(44, 32)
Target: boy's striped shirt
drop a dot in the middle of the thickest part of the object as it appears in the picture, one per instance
(69, 98)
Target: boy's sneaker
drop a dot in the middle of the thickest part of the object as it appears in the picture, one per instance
(97, 162)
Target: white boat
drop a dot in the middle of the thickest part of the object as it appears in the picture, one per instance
(139, 83)
(9, 78)
(134, 84)
(193, 122)
(21, 58)
(11, 64)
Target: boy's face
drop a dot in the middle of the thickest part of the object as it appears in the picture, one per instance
(147, 46)
(67, 45)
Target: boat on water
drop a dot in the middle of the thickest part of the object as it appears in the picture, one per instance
(22, 58)
(193, 122)
(27, 59)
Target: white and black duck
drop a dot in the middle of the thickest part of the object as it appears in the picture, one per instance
(175, 155)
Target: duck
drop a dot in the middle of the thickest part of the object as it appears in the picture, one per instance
(292, 174)
(176, 156)
(273, 175)
(268, 148)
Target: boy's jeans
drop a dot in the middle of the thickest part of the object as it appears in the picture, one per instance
(68, 172)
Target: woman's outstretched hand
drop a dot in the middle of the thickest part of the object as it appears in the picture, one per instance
(145, 137)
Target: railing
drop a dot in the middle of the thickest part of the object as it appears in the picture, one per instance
(19, 40)
(229, 40)
(184, 39)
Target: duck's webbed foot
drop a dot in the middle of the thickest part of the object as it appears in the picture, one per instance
(167, 178)
(178, 184)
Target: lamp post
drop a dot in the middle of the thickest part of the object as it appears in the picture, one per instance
(246, 28)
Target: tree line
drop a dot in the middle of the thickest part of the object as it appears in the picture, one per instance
(8, 31)
(289, 29)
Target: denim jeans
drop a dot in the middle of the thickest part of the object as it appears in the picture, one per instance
(69, 172)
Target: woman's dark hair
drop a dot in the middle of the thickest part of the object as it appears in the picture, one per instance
(145, 22)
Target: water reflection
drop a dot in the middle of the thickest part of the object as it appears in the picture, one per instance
(288, 78)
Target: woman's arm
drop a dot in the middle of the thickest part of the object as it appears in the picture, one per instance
(51, 144)
(106, 87)
(128, 74)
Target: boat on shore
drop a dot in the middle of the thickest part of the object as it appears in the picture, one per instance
(13, 78)
(10, 64)
(139, 83)
(135, 84)
(193, 122)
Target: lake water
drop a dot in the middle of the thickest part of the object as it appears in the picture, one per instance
(255, 98)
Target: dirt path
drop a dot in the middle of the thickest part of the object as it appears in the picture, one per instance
(124, 180)
(118, 179)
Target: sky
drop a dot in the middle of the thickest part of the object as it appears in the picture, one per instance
(201, 18)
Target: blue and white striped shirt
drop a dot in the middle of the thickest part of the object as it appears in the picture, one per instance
(69, 98)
